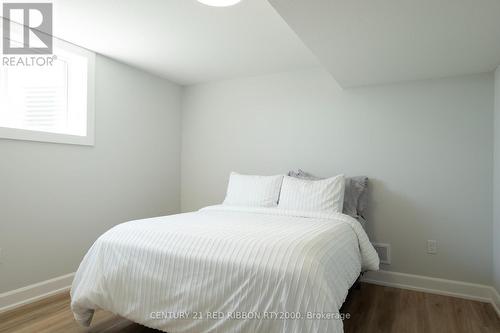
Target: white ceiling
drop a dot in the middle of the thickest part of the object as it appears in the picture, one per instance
(364, 42)
(184, 40)
(361, 42)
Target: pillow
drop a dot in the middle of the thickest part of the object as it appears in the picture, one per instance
(255, 191)
(325, 195)
(355, 198)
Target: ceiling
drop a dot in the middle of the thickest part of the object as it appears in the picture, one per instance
(364, 42)
(183, 40)
(360, 42)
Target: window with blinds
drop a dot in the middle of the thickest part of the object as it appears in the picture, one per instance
(52, 103)
(35, 98)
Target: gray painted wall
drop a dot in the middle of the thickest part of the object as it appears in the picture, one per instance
(496, 184)
(426, 146)
(56, 199)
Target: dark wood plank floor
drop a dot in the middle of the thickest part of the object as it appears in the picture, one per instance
(372, 309)
(382, 309)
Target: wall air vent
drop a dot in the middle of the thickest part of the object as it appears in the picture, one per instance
(384, 252)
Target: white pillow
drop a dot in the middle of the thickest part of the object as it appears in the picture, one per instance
(325, 195)
(255, 191)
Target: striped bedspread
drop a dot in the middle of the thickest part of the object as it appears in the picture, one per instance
(225, 269)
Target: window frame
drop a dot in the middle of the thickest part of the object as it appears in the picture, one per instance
(39, 136)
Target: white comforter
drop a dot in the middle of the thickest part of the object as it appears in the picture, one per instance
(206, 271)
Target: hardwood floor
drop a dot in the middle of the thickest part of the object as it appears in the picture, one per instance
(382, 309)
(372, 309)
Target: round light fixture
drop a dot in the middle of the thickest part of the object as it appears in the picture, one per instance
(219, 3)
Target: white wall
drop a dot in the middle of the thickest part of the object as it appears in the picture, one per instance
(426, 146)
(56, 199)
(496, 196)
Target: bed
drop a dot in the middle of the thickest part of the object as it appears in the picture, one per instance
(226, 269)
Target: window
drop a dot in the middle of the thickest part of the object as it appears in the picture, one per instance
(51, 103)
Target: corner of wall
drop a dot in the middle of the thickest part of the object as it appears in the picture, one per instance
(496, 185)
(181, 148)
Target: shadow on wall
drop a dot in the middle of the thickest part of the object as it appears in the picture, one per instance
(407, 220)
(384, 225)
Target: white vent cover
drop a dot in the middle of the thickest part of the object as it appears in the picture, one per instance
(384, 252)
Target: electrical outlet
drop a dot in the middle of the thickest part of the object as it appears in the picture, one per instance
(432, 247)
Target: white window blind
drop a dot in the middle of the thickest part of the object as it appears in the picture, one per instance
(36, 98)
(52, 103)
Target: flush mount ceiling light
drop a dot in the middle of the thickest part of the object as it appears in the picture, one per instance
(219, 3)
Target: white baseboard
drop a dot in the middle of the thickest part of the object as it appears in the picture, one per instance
(22, 296)
(496, 301)
(466, 290)
(472, 291)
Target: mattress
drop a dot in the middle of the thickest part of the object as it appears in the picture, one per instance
(225, 269)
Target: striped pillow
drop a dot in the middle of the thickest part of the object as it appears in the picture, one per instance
(254, 191)
(325, 195)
